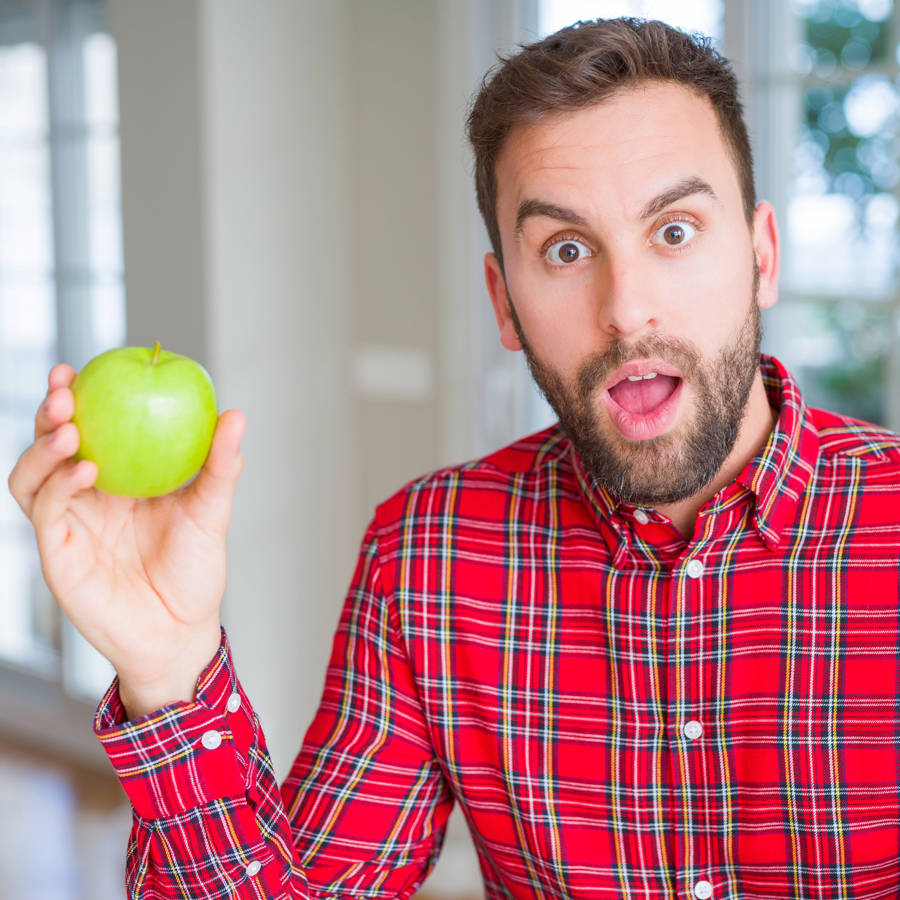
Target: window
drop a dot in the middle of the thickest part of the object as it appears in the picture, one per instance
(61, 280)
(688, 15)
(835, 325)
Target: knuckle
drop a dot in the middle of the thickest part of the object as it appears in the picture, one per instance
(53, 405)
(17, 490)
(61, 434)
(17, 475)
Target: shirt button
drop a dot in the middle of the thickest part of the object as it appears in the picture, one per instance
(695, 570)
(693, 730)
(211, 739)
(641, 516)
(255, 866)
(234, 702)
(703, 890)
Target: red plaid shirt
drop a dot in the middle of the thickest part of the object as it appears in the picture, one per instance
(620, 713)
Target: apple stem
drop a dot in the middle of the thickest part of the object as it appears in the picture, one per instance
(155, 359)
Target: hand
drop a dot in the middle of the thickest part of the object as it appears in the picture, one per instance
(141, 579)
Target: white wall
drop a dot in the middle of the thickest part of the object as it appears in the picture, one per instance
(276, 155)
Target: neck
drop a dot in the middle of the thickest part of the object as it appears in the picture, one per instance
(756, 426)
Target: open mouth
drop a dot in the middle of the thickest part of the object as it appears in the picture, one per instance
(643, 407)
(640, 396)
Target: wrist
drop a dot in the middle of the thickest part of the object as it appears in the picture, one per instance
(179, 684)
(141, 700)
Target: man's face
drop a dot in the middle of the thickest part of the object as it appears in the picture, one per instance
(626, 253)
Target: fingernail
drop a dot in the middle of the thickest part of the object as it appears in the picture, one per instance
(51, 439)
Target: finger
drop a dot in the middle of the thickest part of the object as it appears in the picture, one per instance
(61, 375)
(60, 379)
(212, 491)
(58, 407)
(54, 498)
(39, 461)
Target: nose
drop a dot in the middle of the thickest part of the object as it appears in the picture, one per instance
(628, 304)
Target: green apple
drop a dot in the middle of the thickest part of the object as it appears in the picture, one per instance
(146, 418)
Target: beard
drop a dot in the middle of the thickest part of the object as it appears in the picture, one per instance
(669, 467)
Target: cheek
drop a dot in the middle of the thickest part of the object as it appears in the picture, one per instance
(559, 324)
(710, 299)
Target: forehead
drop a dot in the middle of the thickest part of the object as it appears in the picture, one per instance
(616, 154)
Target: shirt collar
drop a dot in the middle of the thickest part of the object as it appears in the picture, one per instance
(779, 474)
(776, 477)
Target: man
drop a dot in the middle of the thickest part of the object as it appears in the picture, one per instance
(652, 651)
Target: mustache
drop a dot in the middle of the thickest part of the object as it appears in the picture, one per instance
(675, 351)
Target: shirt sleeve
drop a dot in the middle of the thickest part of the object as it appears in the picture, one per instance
(363, 811)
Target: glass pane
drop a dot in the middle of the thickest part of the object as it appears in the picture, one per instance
(31, 616)
(841, 216)
(105, 205)
(13, 524)
(27, 314)
(29, 629)
(60, 272)
(847, 33)
(23, 377)
(26, 230)
(108, 313)
(101, 102)
(841, 232)
(838, 352)
(16, 432)
(23, 92)
(704, 16)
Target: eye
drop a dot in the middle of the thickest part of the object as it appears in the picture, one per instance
(566, 251)
(674, 234)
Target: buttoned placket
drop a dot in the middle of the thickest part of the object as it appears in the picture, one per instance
(688, 590)
(212, 740)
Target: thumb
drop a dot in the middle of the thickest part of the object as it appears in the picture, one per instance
(210, 494)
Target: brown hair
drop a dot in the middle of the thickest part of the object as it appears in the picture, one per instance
(585, 63)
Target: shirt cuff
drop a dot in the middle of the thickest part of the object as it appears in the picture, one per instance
(183, 755)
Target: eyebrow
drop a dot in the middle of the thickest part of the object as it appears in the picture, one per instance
(530, 208)
(685, 188)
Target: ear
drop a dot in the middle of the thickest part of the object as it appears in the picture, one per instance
(496, 285)
(765, 246)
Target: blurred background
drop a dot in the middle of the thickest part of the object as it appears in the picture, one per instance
(282, 190)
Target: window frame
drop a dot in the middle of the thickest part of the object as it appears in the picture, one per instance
(45, 701)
